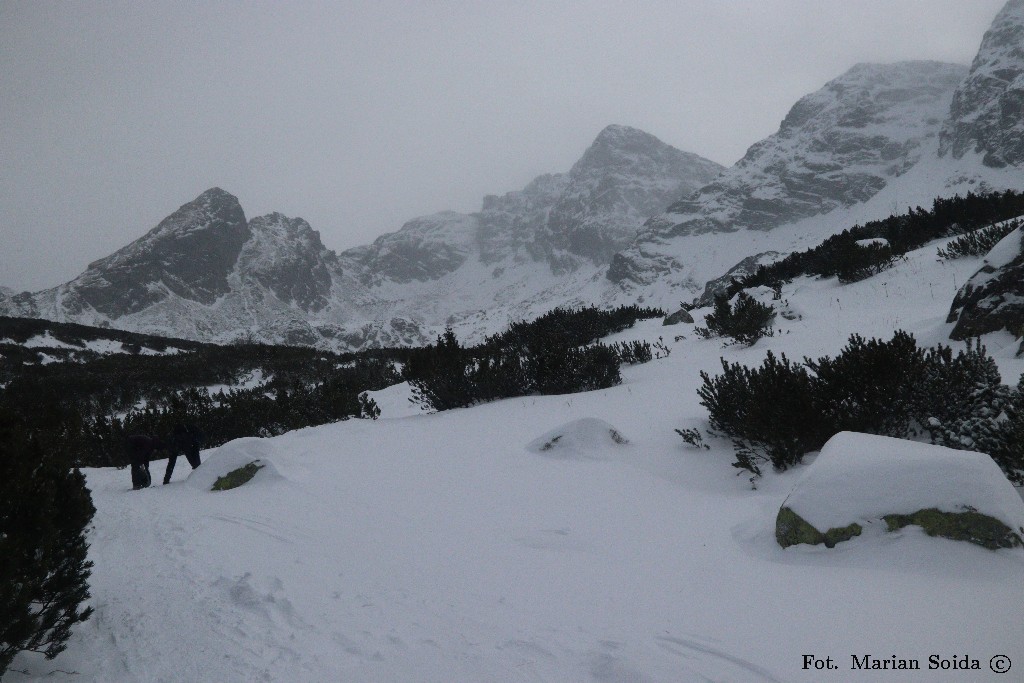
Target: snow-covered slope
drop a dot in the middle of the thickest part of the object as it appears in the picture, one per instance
(442, 548)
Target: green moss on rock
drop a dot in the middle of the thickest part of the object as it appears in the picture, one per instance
(792, 529)
(236, 478)
(970, 526)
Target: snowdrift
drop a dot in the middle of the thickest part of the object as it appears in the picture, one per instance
(587, 439)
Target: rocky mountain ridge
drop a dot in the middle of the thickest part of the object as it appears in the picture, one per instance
(206, 272)
(836, 148)
(985, 115)
(868, 144)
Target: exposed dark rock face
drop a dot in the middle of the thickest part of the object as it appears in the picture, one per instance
(189, 254)
(993, 299)
(680, 316)
(287, 257)
(987, 114)
(744, 268)
(624, 177)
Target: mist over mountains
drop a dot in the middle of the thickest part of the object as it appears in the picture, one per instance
(633, 221)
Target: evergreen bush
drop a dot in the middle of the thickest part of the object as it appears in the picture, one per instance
(44, 518)
(782, 410)
(745, 321)
(978, 242)
(871, 386)
(838, 255)
(853, 262)
(770, 411)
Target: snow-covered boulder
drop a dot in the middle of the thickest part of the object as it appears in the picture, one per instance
(232, 456)
(583, 439)
(680, 316)
(863, 479)
(397, 400)
(993, 299)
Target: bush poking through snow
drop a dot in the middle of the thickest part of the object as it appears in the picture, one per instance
(746, 321)
(235, 478)
(555, 354)
(979, 242)
(855, 262)
(769, 411)
(693, 438)
(778, 412)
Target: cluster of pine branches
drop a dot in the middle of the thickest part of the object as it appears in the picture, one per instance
(782, 410)
(978, 242)
(556, 354)
(840, 255)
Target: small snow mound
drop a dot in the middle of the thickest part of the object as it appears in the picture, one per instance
(395, 401)
(1006, 250)
(232, 456)
(863, 478)
(584, 439)
(873, 242)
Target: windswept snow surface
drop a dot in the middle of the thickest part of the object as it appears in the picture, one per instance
(440, 548)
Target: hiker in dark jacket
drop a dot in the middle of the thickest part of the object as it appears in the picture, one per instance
(185, 440)
(140, 449)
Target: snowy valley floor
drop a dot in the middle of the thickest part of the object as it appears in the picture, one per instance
(439, 548)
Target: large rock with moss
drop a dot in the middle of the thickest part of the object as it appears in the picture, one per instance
(863, 480)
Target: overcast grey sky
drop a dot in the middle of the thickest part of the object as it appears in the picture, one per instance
(358, 116)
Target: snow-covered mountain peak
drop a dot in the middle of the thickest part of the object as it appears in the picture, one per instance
(624, 177)
(561, 222)
(286, 256)
(188, 254)
(874, 94)
(214, 210)
(836, 148)
(987, 113)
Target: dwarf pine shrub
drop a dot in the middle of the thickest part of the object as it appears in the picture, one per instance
(44, 570)
(978, 242)
(782, 410)
(745, 321)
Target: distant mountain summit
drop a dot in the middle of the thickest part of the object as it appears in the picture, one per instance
(624, 177)
(564, 220)
(837, 147)
(207, 273)
(190, 254)
(987, 114)
(459, 268)
(634, 221)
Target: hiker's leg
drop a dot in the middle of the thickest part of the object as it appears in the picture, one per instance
(171, 459)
